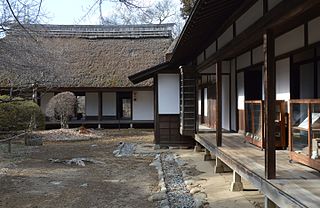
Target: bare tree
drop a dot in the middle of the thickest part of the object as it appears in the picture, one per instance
(160, 12)
(61, 107)
(20, 12)
(187, 6)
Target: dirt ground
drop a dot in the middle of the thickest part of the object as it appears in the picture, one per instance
(29, 179)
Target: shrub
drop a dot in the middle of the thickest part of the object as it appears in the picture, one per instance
(18, 114)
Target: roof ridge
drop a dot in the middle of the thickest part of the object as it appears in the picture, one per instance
(98, 31)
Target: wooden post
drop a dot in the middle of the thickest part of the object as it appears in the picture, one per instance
(309, 130)
(218, 104)
(99, 109)
(269, 91)
(9, 146)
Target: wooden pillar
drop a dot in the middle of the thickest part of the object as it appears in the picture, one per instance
(99, 108)
(218, 104)
(269, 91)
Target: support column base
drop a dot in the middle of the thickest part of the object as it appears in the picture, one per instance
(207, 156)
(197, 148)
(219, 169)
(268, 203)
(236, 186)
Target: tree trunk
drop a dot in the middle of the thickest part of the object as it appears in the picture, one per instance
(64, 122)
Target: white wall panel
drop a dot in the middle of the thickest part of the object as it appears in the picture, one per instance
(44, 100)
(169, 93)
(257, 55)
(109, 104)
(205, 101)
(225, 67)
(244, 60)
(225, 102)
(273, 3)
(91, 104)
(143, 106)
(211, 49)
(240, 85)
(289, 41)
(249, 17)
(283, 79)
(199, 102)
(200, 58)
(210, 69)
(314, 30)
(226, 37)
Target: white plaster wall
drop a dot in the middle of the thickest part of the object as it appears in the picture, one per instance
(211, 49)
(91, 104)
(240, 85)
(199, 102)
(210, 69)
(109, 104)
(169, 93)
(225, 67)
(225, 102)
(273, 3)
(44, 100)
(205, 100)
(143, 106)
(306, 81)
(283, 79)
(249, 17)
(289, 41)
(244, 60)
(233, 96)
(200, 58)
(314, 30)
(257, 55)
(226, 37)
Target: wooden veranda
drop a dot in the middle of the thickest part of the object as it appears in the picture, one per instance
(295, 185)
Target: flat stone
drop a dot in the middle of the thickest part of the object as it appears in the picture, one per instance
(157, 197)
(195, 190)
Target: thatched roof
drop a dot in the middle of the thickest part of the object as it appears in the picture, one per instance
(81, 56)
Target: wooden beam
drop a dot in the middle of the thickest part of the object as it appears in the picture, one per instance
(269, 91)
(218, 104)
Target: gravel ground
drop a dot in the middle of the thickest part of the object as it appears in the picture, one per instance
(177, 192)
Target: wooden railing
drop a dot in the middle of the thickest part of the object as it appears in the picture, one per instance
(9, 139)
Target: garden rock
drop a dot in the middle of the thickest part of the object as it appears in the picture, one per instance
(33, 140)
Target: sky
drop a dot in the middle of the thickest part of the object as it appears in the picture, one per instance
(73, 11)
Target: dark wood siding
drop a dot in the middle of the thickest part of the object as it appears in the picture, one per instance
(168, 132)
